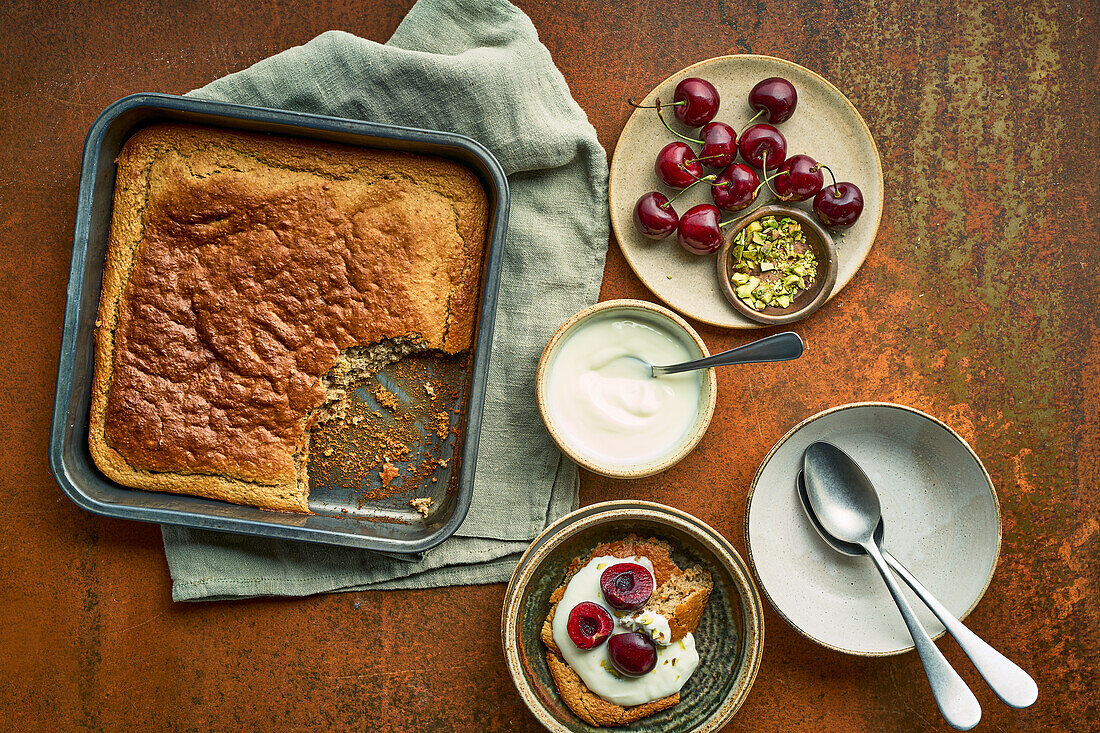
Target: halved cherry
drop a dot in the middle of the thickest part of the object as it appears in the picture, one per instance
(626, 586)
(589, 625)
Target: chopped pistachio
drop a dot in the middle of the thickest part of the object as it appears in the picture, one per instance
(773, 263)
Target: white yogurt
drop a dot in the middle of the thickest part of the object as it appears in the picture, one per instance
(650, 623)
(606, 404)
(675, 662)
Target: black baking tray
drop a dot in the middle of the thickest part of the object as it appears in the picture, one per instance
(341, 516)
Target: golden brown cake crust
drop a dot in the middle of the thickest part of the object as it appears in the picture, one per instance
(589, 706)
(238, 269)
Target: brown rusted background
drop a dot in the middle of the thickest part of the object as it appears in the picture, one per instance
(977, 304)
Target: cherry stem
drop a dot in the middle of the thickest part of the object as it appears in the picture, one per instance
(742, 214)
(708, 179)
(764, 170)
(677, 134)
(765, 181)
(634, 104)
(836, 191)
(746, 125)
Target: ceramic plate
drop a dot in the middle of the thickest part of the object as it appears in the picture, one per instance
(730, 635)
(942, 521)
(825, 125)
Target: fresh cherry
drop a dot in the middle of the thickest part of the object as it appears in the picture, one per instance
(763, 145)
(798, 179)
(735, 188)
(634, 654)
(696, 101)
(626, 586)
(775, 97)
(589, 625)
(654, 217)
(719, 145)
(699, 231)
(838, 205)
(676, 165)
(719, 142)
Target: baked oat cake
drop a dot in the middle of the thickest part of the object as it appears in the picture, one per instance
(250, 281)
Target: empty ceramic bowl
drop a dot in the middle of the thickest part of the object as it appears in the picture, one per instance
(729, 637)
(941, 517)
(808, 300)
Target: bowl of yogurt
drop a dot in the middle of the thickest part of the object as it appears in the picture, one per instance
(600, 402)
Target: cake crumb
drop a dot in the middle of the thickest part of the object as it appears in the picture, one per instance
(422, 505)
(427, 386)
(385, 398)
(388, 473)
(441, 424)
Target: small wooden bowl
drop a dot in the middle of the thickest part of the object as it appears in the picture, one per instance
(808, 300)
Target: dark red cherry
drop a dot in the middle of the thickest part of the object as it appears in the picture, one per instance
(698, 231)
(654, 216)
(735, 188)
(719, 145)
(775, 95)
(676, 165)
(633, 654)
(697, 101)
(799, 178)
(762, 144)
(589, 625)
(838, 205)
(626, 586)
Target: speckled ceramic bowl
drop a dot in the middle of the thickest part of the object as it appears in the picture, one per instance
(941, 516)
(648, 312)
(730, 636)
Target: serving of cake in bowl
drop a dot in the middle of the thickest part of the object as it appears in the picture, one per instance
(631, 613)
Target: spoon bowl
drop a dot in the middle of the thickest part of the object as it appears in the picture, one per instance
(844, 548)
(844, 501)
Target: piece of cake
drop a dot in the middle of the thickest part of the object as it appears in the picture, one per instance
(678, 595)
(250, 282)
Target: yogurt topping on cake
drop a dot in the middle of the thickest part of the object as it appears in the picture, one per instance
(650, 623)
(675, 662)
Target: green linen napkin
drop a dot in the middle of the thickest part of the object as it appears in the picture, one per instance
(476, 68)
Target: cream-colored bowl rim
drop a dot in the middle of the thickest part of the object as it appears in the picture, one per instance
(646, 469)
(904, 408)
(751, 605)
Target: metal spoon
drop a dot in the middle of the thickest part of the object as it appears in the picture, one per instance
(778, 347)
(848, 508)
(1013, 685)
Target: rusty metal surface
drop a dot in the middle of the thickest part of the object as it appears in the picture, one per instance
(977, 304)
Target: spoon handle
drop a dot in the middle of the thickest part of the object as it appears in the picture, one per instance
(956, 702)
(1012, 684)
(777, 347)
